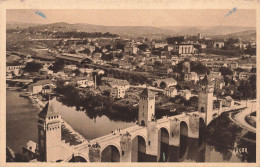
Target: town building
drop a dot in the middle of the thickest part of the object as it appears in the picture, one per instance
(218, 45)
(76, 59)
(227, 102)
(118, 92)
(184, 49)
(41, 86)
(31, 150)
(170, 91)
(191, 76)
(243, 75)
(185, 93)
(167, 82)
(131, 49)
(83, 81)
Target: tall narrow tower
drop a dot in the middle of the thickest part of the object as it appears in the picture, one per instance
(205, 99)
(49, 132)
(146, 107)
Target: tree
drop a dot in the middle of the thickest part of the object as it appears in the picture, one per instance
(163, 85)
(72, 51)
(187, 87)
(225, 71)
(173, 40)
(85, 51)
(20, 158)
(120, 46)
(227, 80)
(57, 66)
(143, 47)
(199, 68)
(157, 64)
(249, 50)
(107, 57)
(246, 89)
(253, 70)
(32, 67)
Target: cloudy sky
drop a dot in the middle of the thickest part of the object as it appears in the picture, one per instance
(148, 17)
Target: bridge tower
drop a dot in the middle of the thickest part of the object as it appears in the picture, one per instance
(49, 132)
(205, 98)
(146, 107)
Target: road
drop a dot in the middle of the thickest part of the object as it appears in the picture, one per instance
(240, 117)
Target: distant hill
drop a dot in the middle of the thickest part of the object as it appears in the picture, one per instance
(136, 30)
(14, 25)
(243, 34)
(210, 31)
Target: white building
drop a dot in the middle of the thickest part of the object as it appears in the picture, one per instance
(117, 92)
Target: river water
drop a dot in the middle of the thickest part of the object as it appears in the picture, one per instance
(21, 118)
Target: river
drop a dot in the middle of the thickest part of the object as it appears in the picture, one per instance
(21, 118)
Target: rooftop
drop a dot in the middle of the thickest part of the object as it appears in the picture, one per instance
(47, 111)
(147, 93)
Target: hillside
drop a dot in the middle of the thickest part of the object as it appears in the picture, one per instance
(135, 30)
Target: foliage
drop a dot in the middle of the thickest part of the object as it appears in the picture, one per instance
(20, 158)
(75, 34)
(163, 85)
(107, 57)
(225, 71)
(173, 40)
(57, 66)
(85, 51)
(157, 64)
(249, 50)
(32, 67)
(143, 47)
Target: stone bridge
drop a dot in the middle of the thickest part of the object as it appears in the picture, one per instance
(129, 144)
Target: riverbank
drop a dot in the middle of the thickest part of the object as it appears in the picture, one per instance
(68, 133)
(226, 136)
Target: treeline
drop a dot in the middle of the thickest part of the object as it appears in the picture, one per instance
(95, 105)
(131, 77)
(75, 34)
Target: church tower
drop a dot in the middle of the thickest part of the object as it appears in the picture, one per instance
(205, 99)
(146, 107)
(49, 132)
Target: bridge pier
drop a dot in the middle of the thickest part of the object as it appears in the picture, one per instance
(174, 136)
(126, 148)
(94, 153)
(193, 126)
(152, 146)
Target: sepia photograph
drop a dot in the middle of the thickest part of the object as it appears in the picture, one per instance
(131, 85)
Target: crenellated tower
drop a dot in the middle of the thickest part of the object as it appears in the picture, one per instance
(146, 107)
(49, 132)
(205, 98)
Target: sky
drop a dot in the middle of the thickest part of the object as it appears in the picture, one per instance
(138, 17)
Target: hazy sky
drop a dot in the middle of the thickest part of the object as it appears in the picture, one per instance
(138, 17)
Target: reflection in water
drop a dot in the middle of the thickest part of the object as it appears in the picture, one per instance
(22, 121)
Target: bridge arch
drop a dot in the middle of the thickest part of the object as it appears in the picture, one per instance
(164, 138)
(202, 129)
(183, 139)
(184, 128)
(110, 153)
(78, 158)
(141, 135)
(138, 150)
